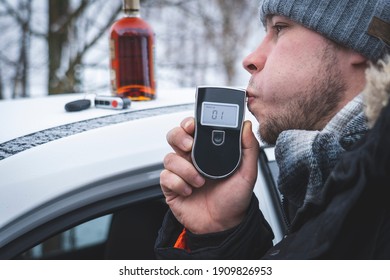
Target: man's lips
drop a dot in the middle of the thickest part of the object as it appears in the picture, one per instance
(250, 97)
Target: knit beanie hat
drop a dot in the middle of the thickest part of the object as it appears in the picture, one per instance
(344, 21)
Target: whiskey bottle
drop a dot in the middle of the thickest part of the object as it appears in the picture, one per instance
(132, 55)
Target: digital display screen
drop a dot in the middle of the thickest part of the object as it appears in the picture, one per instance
(219, 114)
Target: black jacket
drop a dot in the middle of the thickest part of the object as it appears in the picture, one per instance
(353, 220)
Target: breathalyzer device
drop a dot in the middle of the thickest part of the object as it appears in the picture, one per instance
(219, 117)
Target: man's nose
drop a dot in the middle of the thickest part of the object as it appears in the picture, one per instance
(255, 61)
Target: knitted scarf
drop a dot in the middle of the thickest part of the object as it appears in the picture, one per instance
(306, 158)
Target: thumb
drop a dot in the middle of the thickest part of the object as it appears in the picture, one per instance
(249, 140)
(250, 153)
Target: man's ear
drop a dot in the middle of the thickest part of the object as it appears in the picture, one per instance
(357, 59)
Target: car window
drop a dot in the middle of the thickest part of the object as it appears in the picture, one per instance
(270, 172)
(88, 234)
(127, 233)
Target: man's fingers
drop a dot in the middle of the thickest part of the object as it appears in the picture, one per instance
(173, 186)
(188, 124)
(179, 140)
(183, 169)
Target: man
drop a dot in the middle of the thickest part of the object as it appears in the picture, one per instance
(307, 77)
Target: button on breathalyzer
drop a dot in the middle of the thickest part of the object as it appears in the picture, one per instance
(219, 117)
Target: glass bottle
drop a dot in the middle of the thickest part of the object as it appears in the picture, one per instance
(132, 55)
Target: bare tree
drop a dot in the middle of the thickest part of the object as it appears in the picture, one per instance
(69, 39)
(72, 30)
(21, 15)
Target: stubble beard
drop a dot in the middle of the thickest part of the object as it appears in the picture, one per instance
(312, 108)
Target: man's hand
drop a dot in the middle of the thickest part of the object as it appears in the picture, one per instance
(203, 205)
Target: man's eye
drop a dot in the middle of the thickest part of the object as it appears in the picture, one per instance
(278, 28)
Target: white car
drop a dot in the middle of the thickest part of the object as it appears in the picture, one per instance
(85, 185)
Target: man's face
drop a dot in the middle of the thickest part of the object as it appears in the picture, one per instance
(296, 79)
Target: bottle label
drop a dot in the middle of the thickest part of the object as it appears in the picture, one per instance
(113, 80)
(135, 57)
(112, 69)
(112, 48)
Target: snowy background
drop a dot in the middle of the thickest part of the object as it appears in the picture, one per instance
(198, 42)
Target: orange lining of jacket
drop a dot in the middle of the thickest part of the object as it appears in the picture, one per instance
(181, 242)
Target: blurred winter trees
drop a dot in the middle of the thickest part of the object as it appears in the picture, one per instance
(61, 46)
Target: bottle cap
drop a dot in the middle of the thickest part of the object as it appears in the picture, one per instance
(131, 5)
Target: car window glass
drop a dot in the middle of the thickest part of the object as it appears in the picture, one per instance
(85, 235)
(273, 167)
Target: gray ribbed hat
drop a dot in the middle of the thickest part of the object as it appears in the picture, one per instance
(343, 21)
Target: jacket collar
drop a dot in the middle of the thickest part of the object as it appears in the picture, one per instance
(377, 91)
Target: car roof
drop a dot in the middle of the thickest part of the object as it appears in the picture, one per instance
(46, 151)
(24, 116)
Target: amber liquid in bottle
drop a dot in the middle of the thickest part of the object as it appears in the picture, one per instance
(132, 55)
